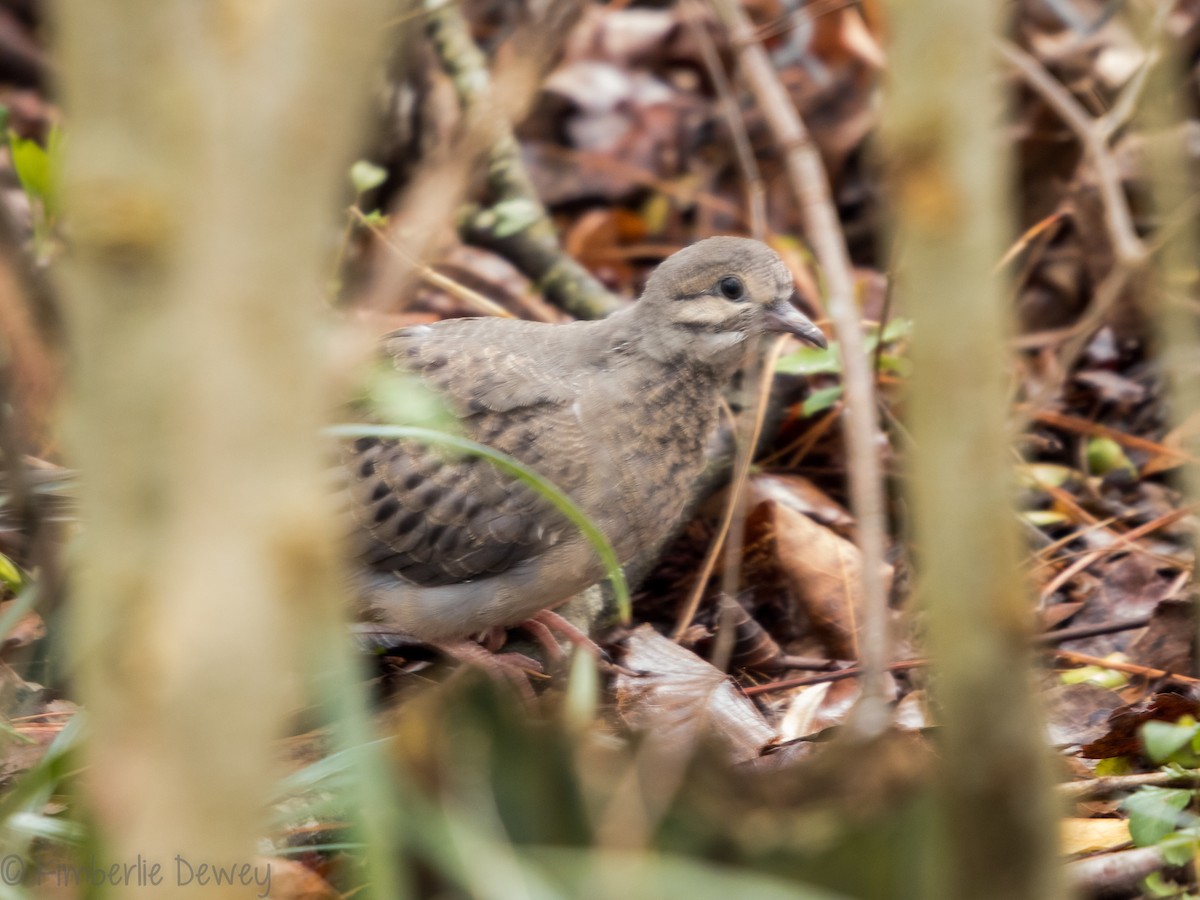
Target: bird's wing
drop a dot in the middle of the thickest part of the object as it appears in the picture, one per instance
(493, 364)
(435, 517)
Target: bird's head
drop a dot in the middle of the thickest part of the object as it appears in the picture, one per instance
(707, 301)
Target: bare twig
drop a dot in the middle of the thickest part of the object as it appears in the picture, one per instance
(1131, 254)
(477, 301)
(1175, 294)
(1094, 788)
(756, 196)
(1084, 659)
(734, 497)
(1113, 874)
(517, 226)
(1124, 540)
(1062, 635)
(1123, 108)
(823, 229)
(1095, 429)
(1093, 135)
(840, 675)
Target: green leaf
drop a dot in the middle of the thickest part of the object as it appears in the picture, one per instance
(819, 401)
(518, 470)
(814, 361)
(10, 574)
(897, 365)
(400, 398)
(1115, 765)
(1105, 455)
(1164, 739)
(1154, 813)
(1179, 848)
(1043, 518)
(48, 828)
(514, 216)
(1158, 886)
(1042, 475)
(366, 176)
(811, 361)
(1109, 678)
(896, 329)
(32, 164)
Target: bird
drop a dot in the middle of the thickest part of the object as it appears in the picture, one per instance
(617, 412)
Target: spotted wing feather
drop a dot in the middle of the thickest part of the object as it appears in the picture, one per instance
(435, 516)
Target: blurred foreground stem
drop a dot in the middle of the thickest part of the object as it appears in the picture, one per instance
(199, 184)
(946, 159)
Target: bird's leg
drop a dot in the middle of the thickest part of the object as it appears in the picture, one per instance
(493, 639)
(547, 623)
(473, 654)
(540, 632)
(515, 668)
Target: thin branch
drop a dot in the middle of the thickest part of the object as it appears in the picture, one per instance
(1126, 103)
(840, 675)
(1150, 672)
(1126, 539)
(1093, 135)
(1113, 874)
(756, 195)
(477, 301)
(1095, 788)
(517, 226)
(1063, 635)
(810, 185)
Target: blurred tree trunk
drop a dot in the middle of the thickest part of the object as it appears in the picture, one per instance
(949, 179)
(1176, 298)
(206, 152)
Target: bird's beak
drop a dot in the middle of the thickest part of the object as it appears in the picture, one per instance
(784, 318)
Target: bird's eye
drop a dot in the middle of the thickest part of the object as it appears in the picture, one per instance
(731, 288)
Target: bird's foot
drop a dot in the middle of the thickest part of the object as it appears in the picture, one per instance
(546, 624)
(515, 668)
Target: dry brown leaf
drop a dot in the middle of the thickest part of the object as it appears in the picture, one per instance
(679, 699)
(1132, 586)
(1167, 642)
(797, 721)
(812, 710)
(1054, 615)
(913, 712)
(798, 493)
(1184, 438)
(1092, 835)
(1078, 713)
(291, 880)
(843, 35)
(824, 573)
(1124, 724)
(29, 628)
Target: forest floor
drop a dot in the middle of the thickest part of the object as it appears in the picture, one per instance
(631, 141)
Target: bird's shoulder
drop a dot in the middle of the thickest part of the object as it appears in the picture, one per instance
(486, 365)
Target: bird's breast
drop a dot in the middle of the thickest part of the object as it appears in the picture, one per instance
(647, 450)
